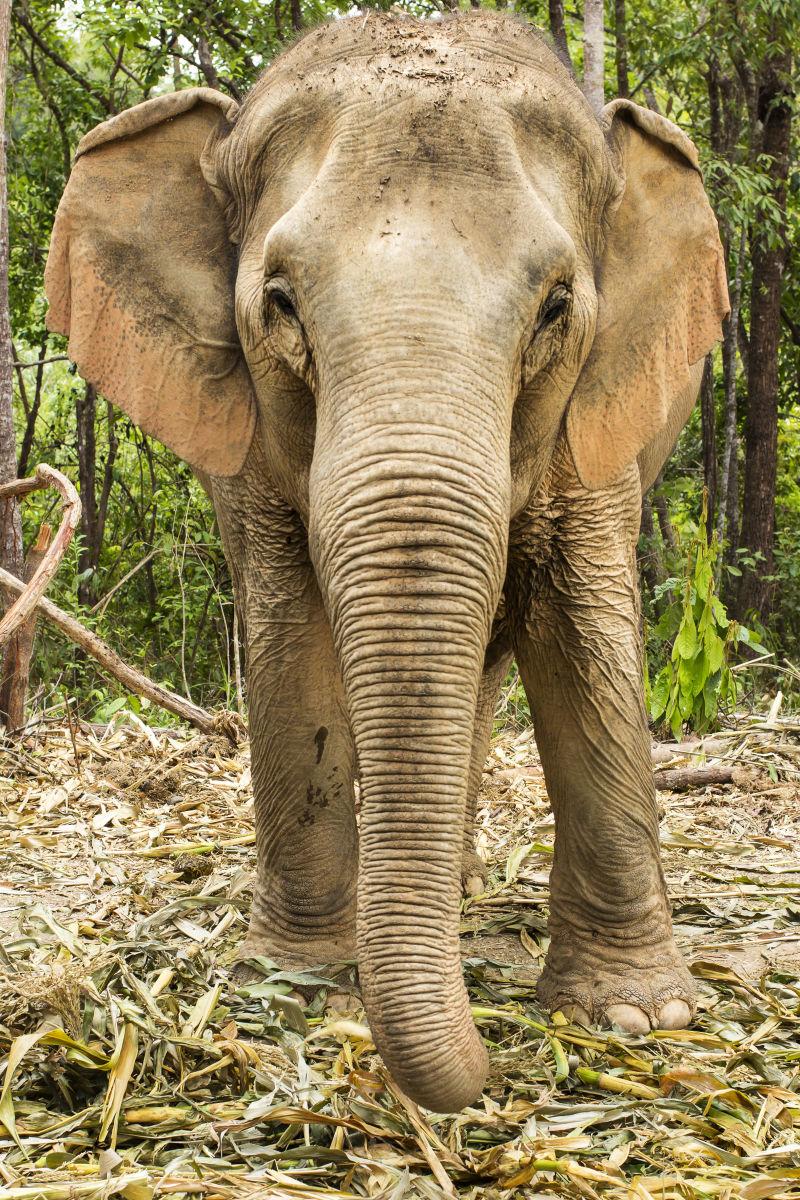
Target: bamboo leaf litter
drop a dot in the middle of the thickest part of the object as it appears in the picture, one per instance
(134, 1065)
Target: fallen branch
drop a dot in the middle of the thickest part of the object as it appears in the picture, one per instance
(31, 593)
(226, 724)
(683, 779)
(709, 747)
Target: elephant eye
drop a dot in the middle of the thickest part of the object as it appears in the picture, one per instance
(554, 306)
(281, 300)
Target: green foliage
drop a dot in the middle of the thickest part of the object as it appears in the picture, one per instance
(173, 613)
(696, 682)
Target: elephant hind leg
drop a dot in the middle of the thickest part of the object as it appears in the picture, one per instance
(495, 669)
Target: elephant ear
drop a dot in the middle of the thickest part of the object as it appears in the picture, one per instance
(140, 277)
(662, 295)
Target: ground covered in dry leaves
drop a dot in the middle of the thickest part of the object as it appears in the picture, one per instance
(132, 1065)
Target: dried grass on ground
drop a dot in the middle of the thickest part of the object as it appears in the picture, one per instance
(135, 1067)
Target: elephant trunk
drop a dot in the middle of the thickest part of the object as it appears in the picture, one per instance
(408, 533)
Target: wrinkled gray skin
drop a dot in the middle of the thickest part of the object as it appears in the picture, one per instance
(419, 212)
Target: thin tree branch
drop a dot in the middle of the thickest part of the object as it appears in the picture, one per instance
(44, 476)
(224, 723)
(21, 365)
(66, 67)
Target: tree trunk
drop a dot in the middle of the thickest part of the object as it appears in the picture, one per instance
(14, 686)
(761, 427)
(662, 512)
(621, 44)
(297, 15)
(558, 31)
(594, 53)
(728, 516)
(649, 559)
(708, 415)
(11, 554)
(95, 508)
(85, 407)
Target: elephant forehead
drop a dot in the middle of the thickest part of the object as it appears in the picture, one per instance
(477, 47)
(435, 92)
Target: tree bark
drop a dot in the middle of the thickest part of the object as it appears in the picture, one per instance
(14, 687)
(708, 417)
(662, 512)
(93, 514)
(684, 779)
(24, 606)
(649, 559)
(85, 407)
(594, 53)
(207, 63)
(775, 103)
(728, 516)
(11, 552)
(621, 44)
(558, 31)
(297, 15)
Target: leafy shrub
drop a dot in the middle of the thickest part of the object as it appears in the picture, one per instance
(696, 682)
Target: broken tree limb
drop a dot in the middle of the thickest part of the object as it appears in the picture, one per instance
(708, 747)
(19, 648)
(226, 724)
(29, 594)
(681, 779)
(684, 779)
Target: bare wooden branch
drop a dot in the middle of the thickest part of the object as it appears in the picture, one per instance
(44, 476)
(103, 602)
(685, 779)
(22, 18)
(21, 365)
(707, 747)
(226, 724)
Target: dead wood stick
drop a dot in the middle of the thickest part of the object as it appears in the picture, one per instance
(710, 747)
(19, 649)
(221, 723)
(30, 594)
(681, 779)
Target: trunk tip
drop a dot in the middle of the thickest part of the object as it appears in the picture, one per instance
(451, 1079)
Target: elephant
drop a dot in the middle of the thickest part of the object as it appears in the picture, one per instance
(427, 325)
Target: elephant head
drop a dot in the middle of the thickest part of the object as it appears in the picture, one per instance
(409, 264)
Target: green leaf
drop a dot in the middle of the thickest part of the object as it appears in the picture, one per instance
(659, 694)
(686, 641)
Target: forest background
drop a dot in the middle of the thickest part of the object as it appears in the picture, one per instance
(720, 539)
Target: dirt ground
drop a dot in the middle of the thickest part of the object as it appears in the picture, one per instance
(134, 1066)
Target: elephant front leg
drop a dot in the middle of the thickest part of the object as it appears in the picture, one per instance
(612, 955)
(304, 903)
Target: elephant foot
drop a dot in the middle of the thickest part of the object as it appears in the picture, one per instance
(297, 955)
(651, 989)
(474, 874)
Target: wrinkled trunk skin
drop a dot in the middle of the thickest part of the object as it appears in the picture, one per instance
(408, 532)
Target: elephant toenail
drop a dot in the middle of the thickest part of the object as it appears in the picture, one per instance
(576, 1013)
(628, 1018)
(474, 885)
(675, 1014)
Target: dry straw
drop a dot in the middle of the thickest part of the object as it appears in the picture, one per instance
(134, 1067)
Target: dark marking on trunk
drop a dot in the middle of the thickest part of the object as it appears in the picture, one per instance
(320, 737)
